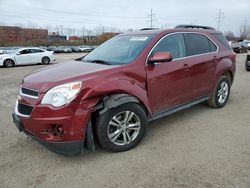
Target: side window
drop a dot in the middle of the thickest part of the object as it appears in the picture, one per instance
(27, 51)
(173, 43)
(36, 51)
(213, 48)
(196, 44)
(222, 39)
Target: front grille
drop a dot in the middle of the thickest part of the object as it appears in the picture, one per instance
(29, 92)
(24, 109)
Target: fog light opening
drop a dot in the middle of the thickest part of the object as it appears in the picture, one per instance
(59, 130)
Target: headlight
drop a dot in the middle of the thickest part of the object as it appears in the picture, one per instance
(62, 94)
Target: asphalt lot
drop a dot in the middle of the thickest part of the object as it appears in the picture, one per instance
(198, 147)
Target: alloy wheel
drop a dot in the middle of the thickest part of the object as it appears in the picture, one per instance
(124, 128)
(223, 92)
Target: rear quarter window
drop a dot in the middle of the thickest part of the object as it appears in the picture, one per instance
(220, 37)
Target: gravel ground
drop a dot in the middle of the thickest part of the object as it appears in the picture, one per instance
(198, 147)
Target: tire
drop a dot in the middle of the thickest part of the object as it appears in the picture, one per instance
(45, 60)
(221, 93)
(247, 65)
(8, 63)
(117, 133)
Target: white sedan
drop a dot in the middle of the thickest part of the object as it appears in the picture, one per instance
(24, 56)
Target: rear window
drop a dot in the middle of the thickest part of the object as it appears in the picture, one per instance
(196, 44)
(222, 39)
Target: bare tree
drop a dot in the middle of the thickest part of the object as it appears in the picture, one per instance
(245, 31)
(229, 35)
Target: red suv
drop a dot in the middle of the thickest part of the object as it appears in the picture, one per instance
(109, 96)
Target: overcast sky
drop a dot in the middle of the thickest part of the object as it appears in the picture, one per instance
(125, 14)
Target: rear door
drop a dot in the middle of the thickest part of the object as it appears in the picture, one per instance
(201, 52)
(37, 55)
(168, 83)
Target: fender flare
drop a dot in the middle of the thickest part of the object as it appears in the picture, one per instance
(114, 100)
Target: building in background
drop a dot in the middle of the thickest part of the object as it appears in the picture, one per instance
(15, 34)
(56, 36)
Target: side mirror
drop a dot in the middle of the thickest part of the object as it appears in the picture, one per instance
(160, 57)
(18, 53)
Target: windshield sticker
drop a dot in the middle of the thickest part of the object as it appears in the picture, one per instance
(138, 38)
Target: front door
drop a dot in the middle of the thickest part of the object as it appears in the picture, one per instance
(24, 57)
(168, 83)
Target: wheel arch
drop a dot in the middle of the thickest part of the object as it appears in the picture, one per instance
(9, 59)
(229, 74)
(224, 67)
(103, 104)
(113, 100)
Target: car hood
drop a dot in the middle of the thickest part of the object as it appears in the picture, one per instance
(5, 55)
(62, 73)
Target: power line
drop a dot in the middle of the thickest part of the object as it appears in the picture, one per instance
(54, 11)
(61, 19)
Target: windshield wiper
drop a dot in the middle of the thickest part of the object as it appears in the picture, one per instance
(99, 61)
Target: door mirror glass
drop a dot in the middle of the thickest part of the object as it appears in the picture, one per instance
(160, 57)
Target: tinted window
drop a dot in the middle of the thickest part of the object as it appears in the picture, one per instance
(196, 44)
(36, 51)
(213, 48)
(222, 39)
(173, 43)
(27, 51)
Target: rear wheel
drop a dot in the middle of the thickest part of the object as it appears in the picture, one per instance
(45, 60)
(9, 63)
(221, 93)
(247, 64)
(121, 128)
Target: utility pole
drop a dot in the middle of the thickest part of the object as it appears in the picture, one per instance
(220, 18)
(152, 18)
(61, 27)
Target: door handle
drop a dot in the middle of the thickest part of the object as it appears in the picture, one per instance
(186, 67)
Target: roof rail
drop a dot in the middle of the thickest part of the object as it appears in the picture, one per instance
(145, 29)
(195, 26)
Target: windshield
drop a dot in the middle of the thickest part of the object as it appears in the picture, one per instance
(119, 50)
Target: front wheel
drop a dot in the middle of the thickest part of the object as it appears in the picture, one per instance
(221, 93)
(9, 63)
(121, 128)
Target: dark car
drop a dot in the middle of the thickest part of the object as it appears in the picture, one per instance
(54, 49)
(110, 95)
(240, 47)
(75, 49)
(247, 65)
